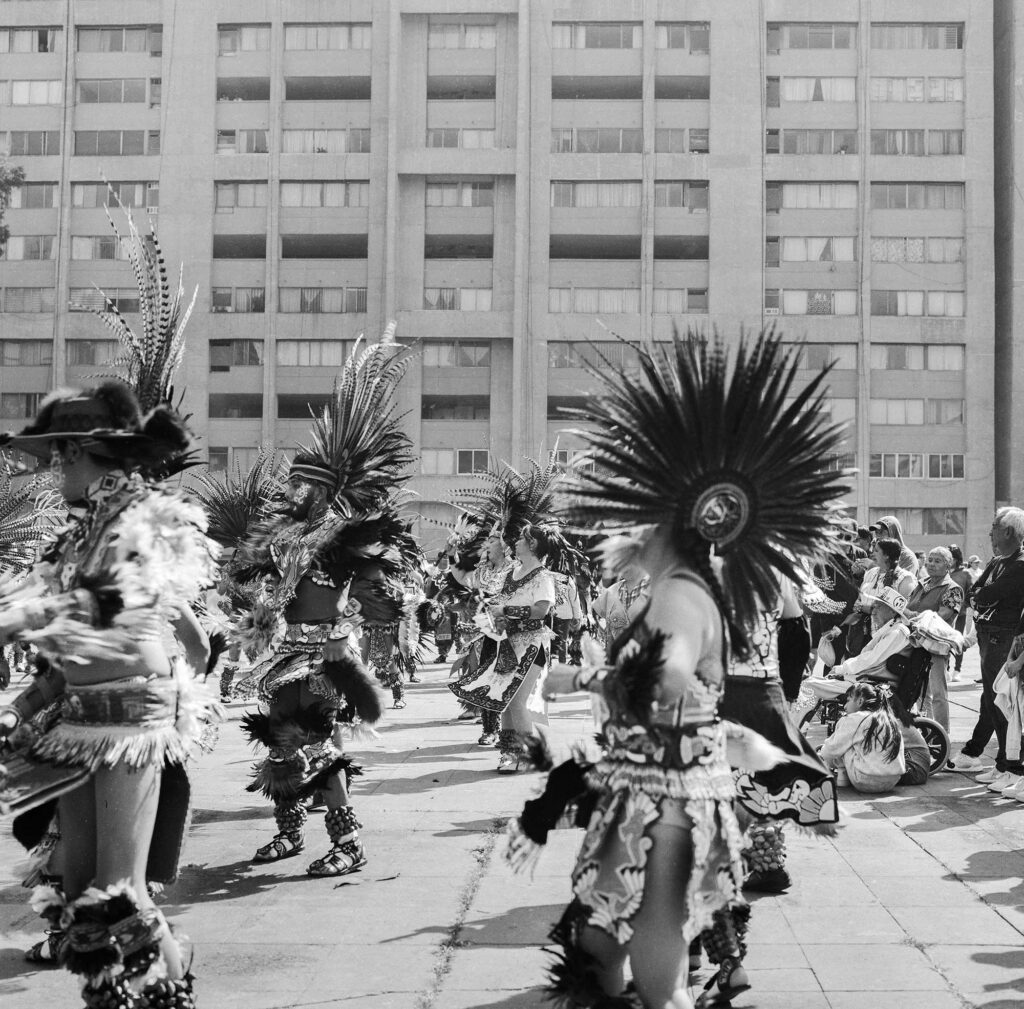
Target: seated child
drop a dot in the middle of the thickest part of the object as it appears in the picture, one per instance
(915, 749)
(867, 743)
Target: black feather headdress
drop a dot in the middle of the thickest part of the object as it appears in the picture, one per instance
(357, 447)
(236, 502)
(728, 451)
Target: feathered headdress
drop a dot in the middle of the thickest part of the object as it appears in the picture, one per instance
(357, 448)
(510, 500)
(727, 452)
(235, 501)
(29, 515)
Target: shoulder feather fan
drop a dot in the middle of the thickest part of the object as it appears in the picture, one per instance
(30, 513)
(235, 501)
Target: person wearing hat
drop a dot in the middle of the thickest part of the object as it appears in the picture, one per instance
(106, 608)
(891, 637)
(888, 527)
(698, 455)
(332, 558)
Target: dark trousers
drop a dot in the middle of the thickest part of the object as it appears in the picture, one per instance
(994, 646)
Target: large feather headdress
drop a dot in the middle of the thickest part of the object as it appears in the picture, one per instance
(357, 447)
(725, 450)
(235, 501)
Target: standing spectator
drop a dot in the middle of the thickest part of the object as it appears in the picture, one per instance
(975, 566)
(997, 599)
(888, 527)
(937, 592)
(886, 573)
(960, 574)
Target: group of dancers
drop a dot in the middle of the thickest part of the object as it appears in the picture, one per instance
(709, 496)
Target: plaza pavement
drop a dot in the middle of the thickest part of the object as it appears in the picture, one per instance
(917, 904)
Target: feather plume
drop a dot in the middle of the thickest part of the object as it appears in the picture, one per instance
(690, 418)
(30, 515)
(235, 501)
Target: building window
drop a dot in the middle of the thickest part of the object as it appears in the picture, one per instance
(467, 139)
(917, 36)
(813, 89)
(228, 354)
(121, 40)
(948, 304)
(593, 140)
(914, 142)
(82, 353)
(242, 142)
(474, 460)
(917, 411)
(130, 194)
(917, 250)
(917, 466)
(246, 300)
(28, 300)
(455, 408)
(810, 141)
(559, 406)
(812, 302)
(229, 195)
(917, 195)
(26, 353)
(88, 299)
(680, 141)
(602, 35)
(798, 249)
(322, 300)
(457, 299)
(810, 196)
(594, 300)
(19, 405)
(34, 196)
(457, 354)
(325, 194)
(116, 143)
(31, 92)
(599, 354)
(334, 36)
(233, 39)
(815, 356)
(121, 91)
(236, 405)
(816, 35)
(452, 35)
(312, 353)
(351, 141)
(29, 40)
(595, 194)
(926, 521)
(693, 196)
(97, 247)
(301, 406)
(680, 301)
(460, 194)
(692, 35)
(917, 89)
(33, 143)
(439, 462)
(24, 247)
(917, 357)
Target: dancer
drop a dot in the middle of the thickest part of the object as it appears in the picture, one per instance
(691, 456)
(324, 565)
(106, 609)
(506, 676)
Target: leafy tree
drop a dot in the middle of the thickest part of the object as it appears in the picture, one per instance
(11, 176)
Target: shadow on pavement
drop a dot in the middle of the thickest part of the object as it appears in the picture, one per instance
(426, 782)
(467, 827)
(520, 1000)
(1008, 960)
(233, 881)
(519, 926)
(14, 972)
(201, 816)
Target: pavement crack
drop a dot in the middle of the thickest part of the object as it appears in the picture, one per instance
(452, 940)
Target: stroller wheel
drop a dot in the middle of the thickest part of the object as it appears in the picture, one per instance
(937, 739)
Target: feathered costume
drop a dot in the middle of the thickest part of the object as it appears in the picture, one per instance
(500, 666)
(326, 568)
(716, 456)
(130, 562)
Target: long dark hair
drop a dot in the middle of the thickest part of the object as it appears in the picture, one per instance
(892, 551)
(882, 727)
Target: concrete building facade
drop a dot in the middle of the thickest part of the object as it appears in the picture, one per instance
(510, 179)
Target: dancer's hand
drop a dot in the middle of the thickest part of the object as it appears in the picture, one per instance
(335, 650)
(8, 722)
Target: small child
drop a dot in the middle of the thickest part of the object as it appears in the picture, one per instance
(915, 749)
(867, 742)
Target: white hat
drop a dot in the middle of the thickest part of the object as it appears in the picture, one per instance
(891, 598)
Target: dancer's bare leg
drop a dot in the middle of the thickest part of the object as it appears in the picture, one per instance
(610, 957)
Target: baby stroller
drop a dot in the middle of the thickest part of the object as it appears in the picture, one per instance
(912, 670)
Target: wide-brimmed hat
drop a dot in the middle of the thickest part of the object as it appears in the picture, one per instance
(106, 421)
(890, 597)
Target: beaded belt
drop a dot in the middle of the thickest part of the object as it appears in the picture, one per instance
(127, 702)
(676, 747)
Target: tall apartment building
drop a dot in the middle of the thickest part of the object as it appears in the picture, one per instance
(510, 179)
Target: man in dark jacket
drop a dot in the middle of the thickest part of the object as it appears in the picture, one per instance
(997, 599)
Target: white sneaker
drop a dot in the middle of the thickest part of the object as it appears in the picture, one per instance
(1013, 786)
(968, 765)
(988, 777)
(1015, 791)
(1003, 781)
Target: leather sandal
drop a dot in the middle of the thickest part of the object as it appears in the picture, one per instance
(45, 952)
(720, 989)
(339, 861)
(282, 846)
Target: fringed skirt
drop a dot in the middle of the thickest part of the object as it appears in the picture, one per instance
(138, 722)
(494, 671)
(802, 791)
(611, 871)
(298, 656)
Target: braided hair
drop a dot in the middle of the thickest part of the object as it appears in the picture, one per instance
(882, 727)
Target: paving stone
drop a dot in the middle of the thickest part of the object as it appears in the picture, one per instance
(877, 968)
(960, 926)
